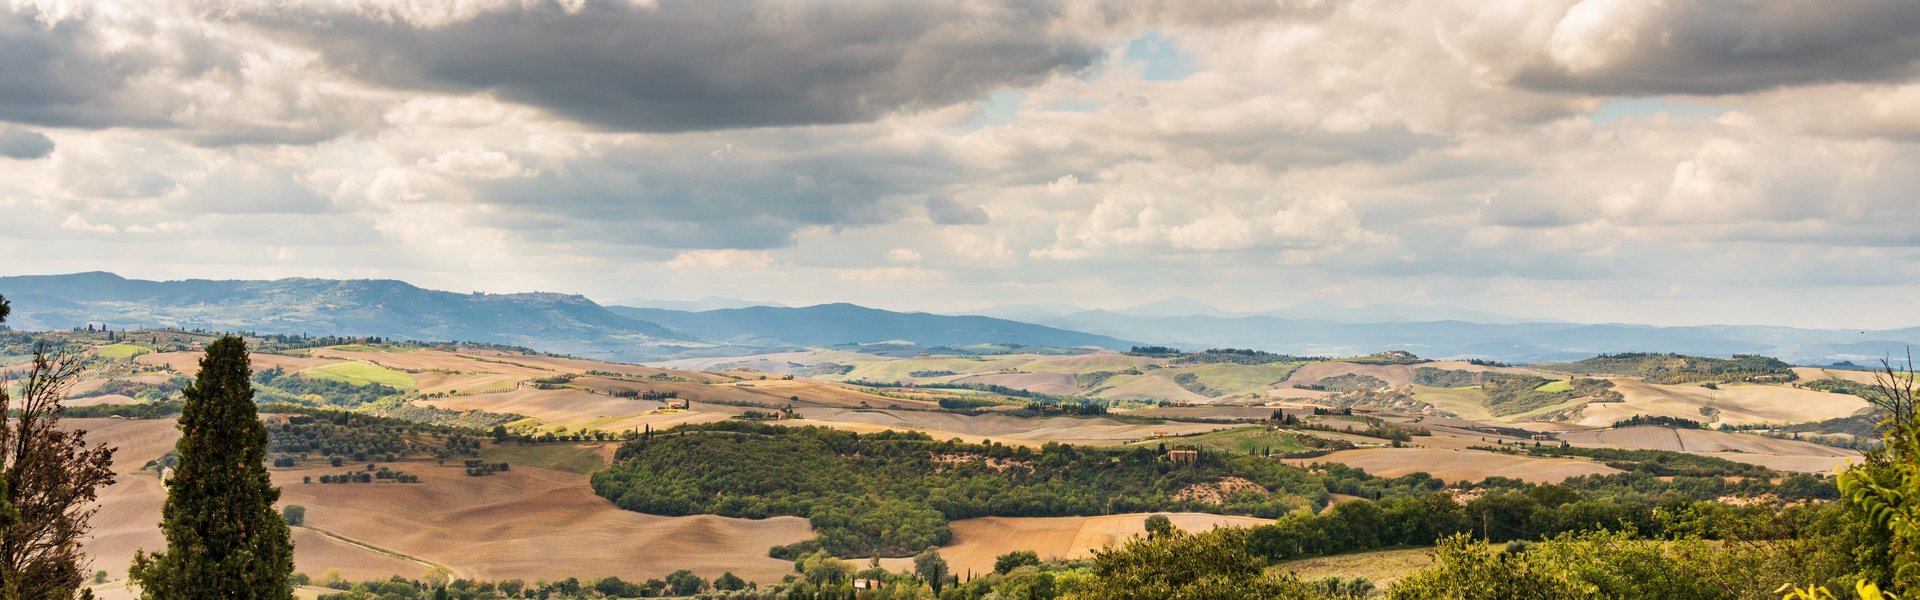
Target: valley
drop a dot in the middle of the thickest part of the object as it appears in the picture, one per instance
(1393, 416)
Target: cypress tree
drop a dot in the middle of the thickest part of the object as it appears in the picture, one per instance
(224, 539)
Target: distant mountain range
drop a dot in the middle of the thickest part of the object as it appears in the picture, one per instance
(575, 325)
(564, 323)
(830, 324)
(1514, 342)
(707, 303)
(1319, 310)
(385, 308)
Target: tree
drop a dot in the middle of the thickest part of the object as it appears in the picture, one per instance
(1213, 565)
(1006, 563)
(5, 309)
(50, 479)
(685, 583)
(224, 539)
(931, 568)
(728, 582)
(1158, 526)
(437, 576)
(1884, 492)
(296, 515)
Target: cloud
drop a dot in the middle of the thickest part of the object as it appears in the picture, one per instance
(165, 66)
(60, 72)
(947, 211)
(691, 65)
(1631, 47)
(23, 144)
(720, 259)
(1456, 152)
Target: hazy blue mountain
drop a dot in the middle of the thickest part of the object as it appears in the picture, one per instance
(1394, 313)
(829, 324)
(707, 303)
(1177, 306)
(575, 325)
(1520, 342)
(385, 308)
(1322, 310)
(1028, 312)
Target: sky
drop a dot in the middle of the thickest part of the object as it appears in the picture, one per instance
(1597, 160)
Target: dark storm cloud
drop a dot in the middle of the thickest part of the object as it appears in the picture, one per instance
(1731, 47)
(689, 65)
(24, 144)
(683, 197)
(95, 70)
(58, 73)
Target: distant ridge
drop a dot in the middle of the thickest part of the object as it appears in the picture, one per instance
(1512, 342)
(829, 324)
(360, 307)
(573, 324)
(707, 303)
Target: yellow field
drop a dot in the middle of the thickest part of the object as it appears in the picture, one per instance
(1461, 465)
(1786, 455)
(119, 351)
(1382, 567)
(358, 373)
(976, 542)
(528, 523)
(1737, 404)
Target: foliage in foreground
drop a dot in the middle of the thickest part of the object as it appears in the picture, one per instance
(224, 538)
(1177, 565)
(1603, 565)
(1885, 491)
(49, 479)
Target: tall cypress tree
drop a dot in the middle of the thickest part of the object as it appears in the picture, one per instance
(224, 539)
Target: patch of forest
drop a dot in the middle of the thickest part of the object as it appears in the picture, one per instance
(1346, 382)
(893, 493)
(1515, 394)
(1680, 368)
(277, 385)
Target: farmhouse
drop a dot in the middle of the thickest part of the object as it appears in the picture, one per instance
(1183, 456)
(678, 403)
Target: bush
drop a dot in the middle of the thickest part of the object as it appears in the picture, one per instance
(1006, 563)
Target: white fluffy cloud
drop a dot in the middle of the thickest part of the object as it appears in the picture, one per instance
(1260, 153)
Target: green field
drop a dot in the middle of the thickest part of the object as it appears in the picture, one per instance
(1244, 440)
(559, 457)
(358, 373)
(1233, 380)
(1468, 402)
(1557, 385)
(120, 351)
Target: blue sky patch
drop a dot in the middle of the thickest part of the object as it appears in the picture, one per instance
(1164, 59)
(1613, 110)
